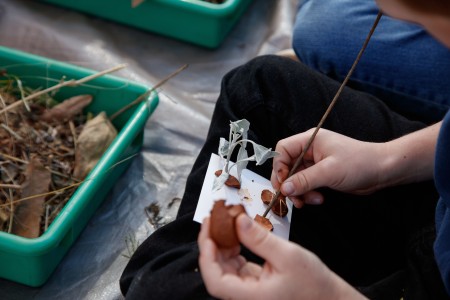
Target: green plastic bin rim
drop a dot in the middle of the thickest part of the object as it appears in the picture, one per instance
(63, 223)
(226, 8)
(223, 9)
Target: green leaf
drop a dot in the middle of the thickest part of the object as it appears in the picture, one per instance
(224, 145)
(241, 162)
(241, 127)
(262, 153)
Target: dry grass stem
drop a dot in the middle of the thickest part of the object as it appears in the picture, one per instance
(9, 186)
(146, 94)
(71, 83)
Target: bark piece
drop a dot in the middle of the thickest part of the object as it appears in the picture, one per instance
(223, 224)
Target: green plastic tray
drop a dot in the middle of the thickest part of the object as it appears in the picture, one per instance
(195, 21)
(31, 261)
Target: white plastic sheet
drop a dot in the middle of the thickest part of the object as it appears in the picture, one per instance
(174, 134)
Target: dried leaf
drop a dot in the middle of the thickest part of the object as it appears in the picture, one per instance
(4, 216)
(28, 214)
(67, 109)
(97, 135)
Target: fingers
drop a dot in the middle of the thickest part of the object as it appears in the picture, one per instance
(307, 177)
(290, 149)
(263, 243)
(311, 198)
(204, 234)
(224, 278)
(298, 199)
(307, 180)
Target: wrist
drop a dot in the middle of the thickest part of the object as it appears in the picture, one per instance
(407, 159)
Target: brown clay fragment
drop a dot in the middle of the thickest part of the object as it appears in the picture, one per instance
(266, 196)
(223, 224)
(264, 222)
(231, 181)
(280, 207)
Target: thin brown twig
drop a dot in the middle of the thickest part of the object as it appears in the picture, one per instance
(11, 132)
(11, 216)
(9, 186)
(327, 112)
(144, 95)
(13, 158)
(70, 83)
(47, 209)
(74, 133)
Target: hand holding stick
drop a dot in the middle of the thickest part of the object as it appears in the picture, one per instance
(327, 112)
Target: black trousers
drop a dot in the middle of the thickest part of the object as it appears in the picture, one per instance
(367, 240)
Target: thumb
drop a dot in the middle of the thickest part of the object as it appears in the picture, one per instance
(306, 180)
(262, 242)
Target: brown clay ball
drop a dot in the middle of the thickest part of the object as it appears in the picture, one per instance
(223, 224)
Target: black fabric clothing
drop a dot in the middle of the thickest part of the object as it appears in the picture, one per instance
(364, 239)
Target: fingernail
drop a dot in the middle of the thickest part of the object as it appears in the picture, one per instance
(246, 223)
(279, 178)
(288, 188)
(315, 201)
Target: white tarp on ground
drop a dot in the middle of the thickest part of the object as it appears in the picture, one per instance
(174, 134)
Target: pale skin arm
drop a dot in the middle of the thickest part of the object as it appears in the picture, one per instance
(289, 271)
(352, 166)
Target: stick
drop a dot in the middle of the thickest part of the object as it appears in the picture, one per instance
(144, 95)
(71, 83)
(9, 186)
(327, 112)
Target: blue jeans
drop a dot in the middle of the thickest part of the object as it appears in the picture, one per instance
(403, 65)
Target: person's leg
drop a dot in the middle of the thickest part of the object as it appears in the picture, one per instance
(402, 64)
(351, 234)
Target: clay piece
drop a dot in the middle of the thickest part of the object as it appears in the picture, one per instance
(280, 206)
(264, 222)
(231, 181)
(266, 196)
(223, 224)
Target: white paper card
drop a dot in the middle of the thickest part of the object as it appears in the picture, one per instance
(248, 195)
